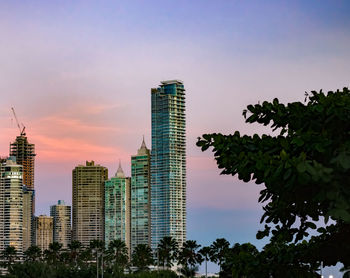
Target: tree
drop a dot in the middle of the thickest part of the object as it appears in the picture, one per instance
(33, 253)
(74, 248)
(189, 257)
(31, 269)
(142, 257)
(242, 261)
(85, 256)
(218, 249)
(53, 253)
(205, 253)
(167, 251)
(97, 246)
(118, 255)
(305, 169)
(9, 255)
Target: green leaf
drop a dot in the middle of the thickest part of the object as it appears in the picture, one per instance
(301, 167)
(283, 154)
(344, 160)
(310, 225)
(287, 174)
(340, 214)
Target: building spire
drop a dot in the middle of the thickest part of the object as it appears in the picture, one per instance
(143, 145)
(120, 172)
(143, 149)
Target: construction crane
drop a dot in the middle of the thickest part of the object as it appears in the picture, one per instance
(21, 131)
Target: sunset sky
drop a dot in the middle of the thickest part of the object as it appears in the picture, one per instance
(79, 75)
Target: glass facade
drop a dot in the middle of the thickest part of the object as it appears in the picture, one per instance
(117, 208)
(168, 162)
(140, 198)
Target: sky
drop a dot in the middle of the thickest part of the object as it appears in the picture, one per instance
(79, 75)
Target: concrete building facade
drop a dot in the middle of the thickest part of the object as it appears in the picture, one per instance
(88, 202)
(28, 219)
(62, 229)
(25, 156)
(43, 231)
(11, 205)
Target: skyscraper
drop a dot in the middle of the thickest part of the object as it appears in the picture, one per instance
(117, 208)
(11, 202)
(25, 155)
(43, 231)
(28, 219)
(88, 202)
(168, 162)
(62, 231)
(140, 198)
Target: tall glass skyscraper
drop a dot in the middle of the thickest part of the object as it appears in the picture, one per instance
(168, 162)
(117, 208)
(140, 198)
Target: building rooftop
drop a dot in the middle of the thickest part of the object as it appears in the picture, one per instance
(44, 216)
(175, 81)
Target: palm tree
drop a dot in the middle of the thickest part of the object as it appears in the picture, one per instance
(74, 248)
(205, 252)
(85, 256)
(52, 254)
(188, 271)
(142, 257)
(97, 246)
(65, 258)
(167, 251)
(189, 257)
(9, 255)
(118, 255)
(218, 249)
(33, 253)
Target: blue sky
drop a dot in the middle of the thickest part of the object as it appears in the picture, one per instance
(79, 75)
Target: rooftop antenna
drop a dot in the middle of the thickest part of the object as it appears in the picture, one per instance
(21, 131)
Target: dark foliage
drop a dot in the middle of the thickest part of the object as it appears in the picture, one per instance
(305, 170)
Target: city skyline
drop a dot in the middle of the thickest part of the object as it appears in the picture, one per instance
(75, 71)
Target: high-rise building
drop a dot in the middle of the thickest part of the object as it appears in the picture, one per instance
(25, 155)
(140, 198)
(168, 162)
(28, 219)
(117, 208)
(88, 202)
(11, 205)
(62, 231)
(43, 231)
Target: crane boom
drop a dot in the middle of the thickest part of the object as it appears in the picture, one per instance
(19, 127)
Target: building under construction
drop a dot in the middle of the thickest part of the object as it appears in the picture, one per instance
(25, 154)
